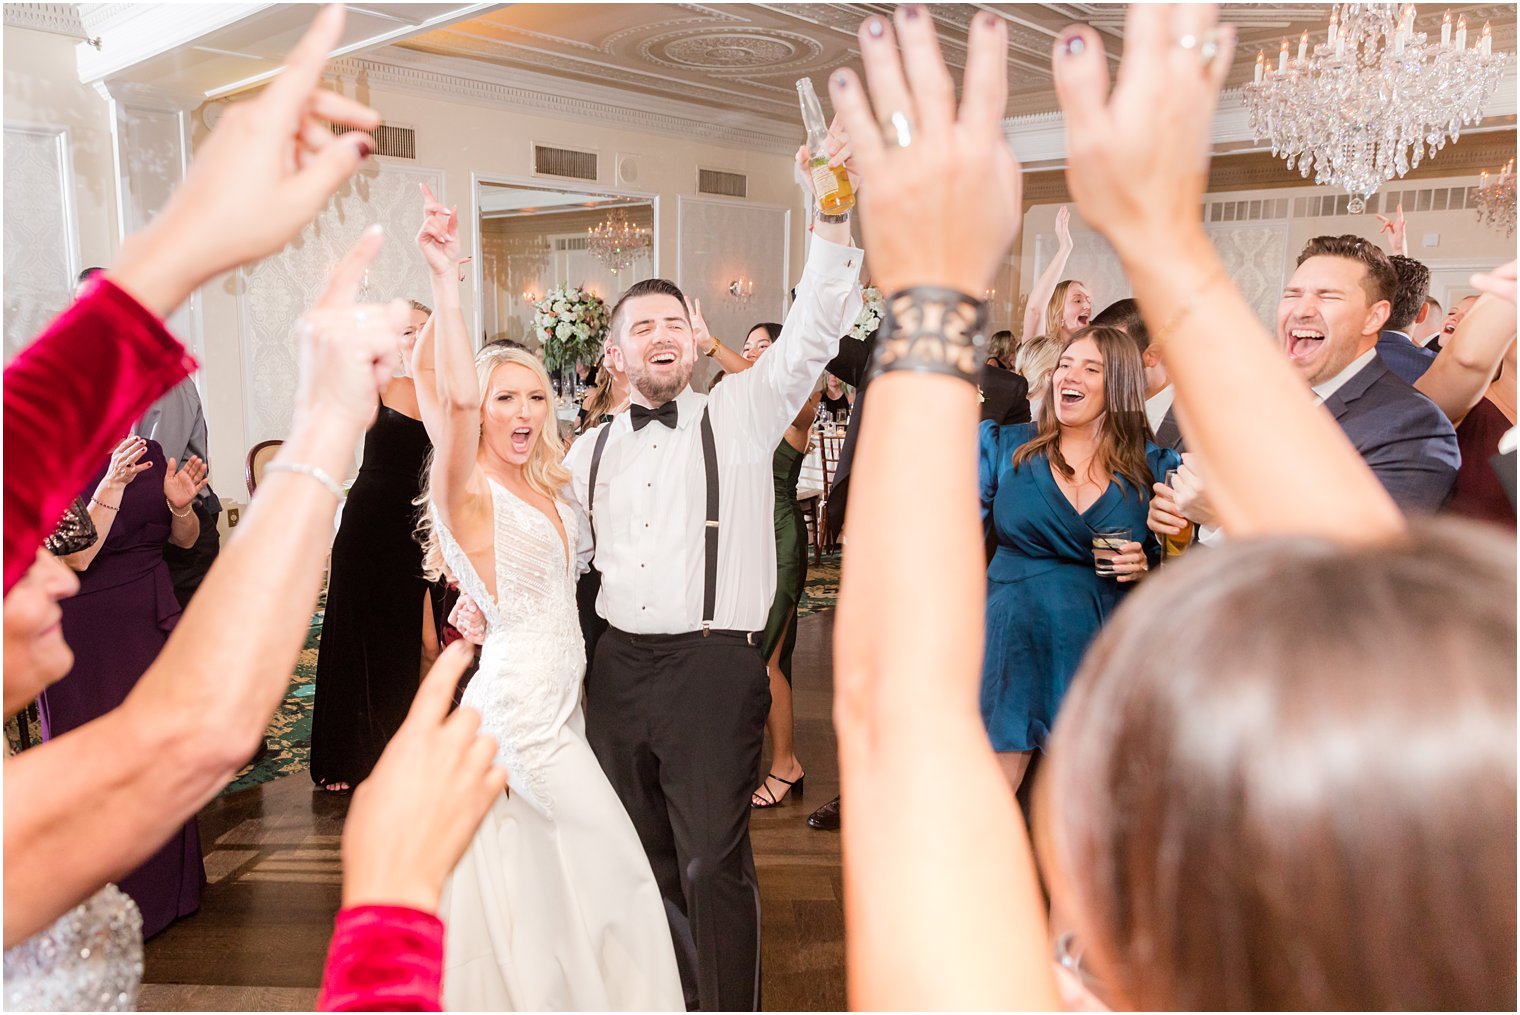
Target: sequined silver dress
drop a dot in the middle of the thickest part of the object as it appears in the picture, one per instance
(90, 959)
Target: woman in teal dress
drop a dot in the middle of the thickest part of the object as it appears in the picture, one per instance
(1047, 488)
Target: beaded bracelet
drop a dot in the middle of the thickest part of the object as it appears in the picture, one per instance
(302, 469)
(931, 330)
(101, 503)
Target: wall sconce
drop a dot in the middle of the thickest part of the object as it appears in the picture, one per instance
(529, 297)
(740, 290)
(991, 295)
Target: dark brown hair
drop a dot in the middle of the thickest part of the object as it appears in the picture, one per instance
(1125, 315)
(1380, 281)
(647, 287)
(1284, 779)
(1121, 445)
(1410, 292)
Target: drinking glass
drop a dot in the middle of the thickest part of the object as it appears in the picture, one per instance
(1173, 546)
(1106, 544)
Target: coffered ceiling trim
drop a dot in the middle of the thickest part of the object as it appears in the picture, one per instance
(408, 71)
(60, 19)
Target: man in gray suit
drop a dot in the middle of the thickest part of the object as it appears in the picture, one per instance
(1332, 312)
(1125, 315)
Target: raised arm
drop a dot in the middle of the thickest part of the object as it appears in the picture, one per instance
(1300, 475)
(1045, 285)
(938, 914)
(827, 302)
(1468, 360)
(451, 407)
(729, 361)
(89, 806)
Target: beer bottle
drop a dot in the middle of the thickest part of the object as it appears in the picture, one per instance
(835, 195)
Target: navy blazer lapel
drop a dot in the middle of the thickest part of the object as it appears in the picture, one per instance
(1340, 401)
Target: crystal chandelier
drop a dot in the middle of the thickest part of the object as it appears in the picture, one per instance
(1496, 199)
(1374, 98)
(617, 242)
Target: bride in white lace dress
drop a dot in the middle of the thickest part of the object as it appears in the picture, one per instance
(553, 907)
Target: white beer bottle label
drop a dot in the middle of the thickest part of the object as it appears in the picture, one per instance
(824, 180)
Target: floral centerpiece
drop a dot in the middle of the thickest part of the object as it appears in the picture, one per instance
(571, 324)
(869, 318)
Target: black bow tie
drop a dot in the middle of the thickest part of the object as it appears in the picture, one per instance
(665, 414)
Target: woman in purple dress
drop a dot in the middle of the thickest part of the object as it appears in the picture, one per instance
(118, 623)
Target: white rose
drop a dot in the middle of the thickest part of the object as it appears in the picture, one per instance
(563, 331)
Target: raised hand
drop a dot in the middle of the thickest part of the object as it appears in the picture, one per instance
(438, 239)
(348, 349)
(1500, 282)
(945, 209)
(1128, 186)
(124, 465)
(182, 485)
(699, 332)
(1397, 230)
(265, 172)
(1063, 227)
(410, 821)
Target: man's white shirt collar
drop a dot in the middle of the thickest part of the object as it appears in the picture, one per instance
(1322, 392)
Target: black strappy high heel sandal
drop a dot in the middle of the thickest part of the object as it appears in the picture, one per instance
(793, 788)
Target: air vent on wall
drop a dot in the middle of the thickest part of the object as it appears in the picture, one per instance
(1320, 205)
(716, 181)
(391, 139)
(564, 162)
(565, 243)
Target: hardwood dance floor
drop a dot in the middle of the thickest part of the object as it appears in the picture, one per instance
(272, 863)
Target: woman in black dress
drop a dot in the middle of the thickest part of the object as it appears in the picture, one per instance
(380, 631)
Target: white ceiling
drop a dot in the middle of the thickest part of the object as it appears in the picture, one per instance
(745, 58)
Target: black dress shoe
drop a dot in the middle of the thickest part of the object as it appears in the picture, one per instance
(826, 818)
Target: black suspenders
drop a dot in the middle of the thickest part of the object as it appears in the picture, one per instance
(710, 529)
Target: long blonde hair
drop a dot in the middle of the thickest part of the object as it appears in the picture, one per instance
(1055, 306)
(543, 470)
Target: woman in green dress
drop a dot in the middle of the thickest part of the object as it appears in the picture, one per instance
(785, 774)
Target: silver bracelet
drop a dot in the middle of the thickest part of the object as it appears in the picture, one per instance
(302, 469)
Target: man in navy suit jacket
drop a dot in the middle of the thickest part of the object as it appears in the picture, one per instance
(1329, 320)
(1397, 350)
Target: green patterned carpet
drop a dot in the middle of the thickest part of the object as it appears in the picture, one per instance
(289, 735)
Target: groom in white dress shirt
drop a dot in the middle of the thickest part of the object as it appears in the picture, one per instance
(677, 694)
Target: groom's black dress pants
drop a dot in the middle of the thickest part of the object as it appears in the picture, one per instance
(677, 722)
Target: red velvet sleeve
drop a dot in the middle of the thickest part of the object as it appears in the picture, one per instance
(384, 958)
(70, 397)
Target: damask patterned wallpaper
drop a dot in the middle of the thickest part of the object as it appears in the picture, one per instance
(40, 263)
(721, 241)
(275, 292)
(1254, 254)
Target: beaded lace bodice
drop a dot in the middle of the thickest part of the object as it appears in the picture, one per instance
(534, 657)
(90, 959)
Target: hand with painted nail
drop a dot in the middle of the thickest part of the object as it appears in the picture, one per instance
(942, 202)
(1137, 159)
(265, 172)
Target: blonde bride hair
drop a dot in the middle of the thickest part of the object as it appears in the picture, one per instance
(543, 470)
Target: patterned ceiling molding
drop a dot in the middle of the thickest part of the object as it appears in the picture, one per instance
(408, 71)
(737, 52)
(709, 20)
(492, 54)
(60, 19)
